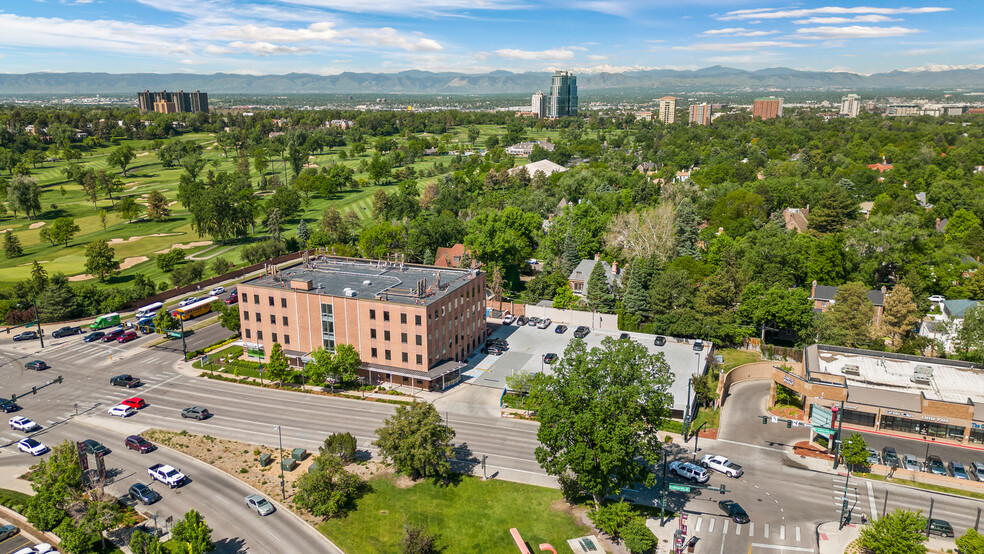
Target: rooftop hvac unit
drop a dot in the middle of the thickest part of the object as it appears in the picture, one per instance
(349, 292)
(852, 370)
(366, 283)
(920, 379)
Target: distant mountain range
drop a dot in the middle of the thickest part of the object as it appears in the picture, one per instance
(426, 82)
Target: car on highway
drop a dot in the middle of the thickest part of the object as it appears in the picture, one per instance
(723, 465)
(544, 323)
(549, 358)
(187, 301)
(20, 423)
(7, 405)
(143, 494)
(940, 527)
(7, 531)
(957, 470)
(67, 332)
(259, 504)
(94, 336)
(26, 335)
(122, 411)
(233, 298)
(660, 340)
(136, 402)
(36, 365)
(125, 380)
(216, 291)
(560, 329)
(195, 412)
(890, 457)
(581, 332)
(95, 447)
(734, 510)
(873, 457)
(127, 336)
(113, 335)
(935, 465)
(166, 474)
(138, 443)
(31, 446)
(690, 471)
(507, 318)
(910, 462)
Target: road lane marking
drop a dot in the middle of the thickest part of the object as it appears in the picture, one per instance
(737, 529)
(782, 532)
(724, 531)
(766, 530)
(710, 527)
(798, 538)
(272, 535)
(871, 499)
(700, 520)
(751, 529)
(781, 547)
(144, 391)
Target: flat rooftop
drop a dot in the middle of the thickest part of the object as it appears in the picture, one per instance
(943, 381)
(369, 279)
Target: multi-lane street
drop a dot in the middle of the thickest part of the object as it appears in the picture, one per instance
(785, 496)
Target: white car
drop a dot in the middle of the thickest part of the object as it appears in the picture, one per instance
(187, 301)
(31, 446)
(216, 291)
(122, 410)
(19, 423)
(544, 323)
(42, 548)
(507, 319)
(937, 298)
(723, 465)
(690, 471)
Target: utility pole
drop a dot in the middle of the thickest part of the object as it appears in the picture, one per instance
(184, 344)
(839, 413)
(844, 501)
(37, 321)
(662, 492)
(283, 491)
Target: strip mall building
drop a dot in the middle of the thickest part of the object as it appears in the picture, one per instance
(927, 398)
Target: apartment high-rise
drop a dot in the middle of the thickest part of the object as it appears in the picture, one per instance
(667, 109)
(193, 102)
(700, 114)
(767, 108)
(850, 105)
(539, 104)
(563, 95)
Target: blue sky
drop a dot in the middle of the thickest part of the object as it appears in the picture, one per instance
(332, 36)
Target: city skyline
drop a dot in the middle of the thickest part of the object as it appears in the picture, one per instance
(322, 37)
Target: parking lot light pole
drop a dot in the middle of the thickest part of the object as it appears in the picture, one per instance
(37, 322)
(283, 492)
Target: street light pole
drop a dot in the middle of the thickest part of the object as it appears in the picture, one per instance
(37, 321)
(283, 492)
(184, 344)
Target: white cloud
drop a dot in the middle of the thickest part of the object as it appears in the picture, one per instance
(597, 57)
(768, 13)
(404, 8)
(855, 31)
(741, 46)
(841, 20)
(264, 49)
(189, 61)
(737, 32)
(551, 54)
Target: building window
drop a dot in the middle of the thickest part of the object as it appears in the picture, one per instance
(386, 315)
(406, 357)
(976, 436)
(248, 334)
(420, 359)
(372, 314)
(274, 337)
(285, 321)
(386, 335)
(283, 302)
(403, 319)
(327, 327)
(273, 319)
(420, 340)
(258, 320)
(858, 418)
(403, 338)
(270, 299)
(259, 335)
(246, 316)
(387, 355)
(373, 353)
(372, 333)
(256, 299)
(286, 339)
(416, 320)
(245, 298)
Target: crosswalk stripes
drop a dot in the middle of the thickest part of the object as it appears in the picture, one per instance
(710, 526)
(797, 534)
(767, 530)
(782, 532)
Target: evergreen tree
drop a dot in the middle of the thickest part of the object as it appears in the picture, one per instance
(429, 257)
(569, 257)
(899, 315)
(303, 233)
(685, 229)
(11, 245)
(39, 278)
(636, 298)
(278, 369)
(599, 292)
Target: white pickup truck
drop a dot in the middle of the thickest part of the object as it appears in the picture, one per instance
(722, 464)
(166, 474)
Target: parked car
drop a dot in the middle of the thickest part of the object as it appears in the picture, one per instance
(125, 380)
(937, 298)
(195, 412)
(187, 301)
(549, 358)
(977, 469)
(122, 411)
(624, 336)
(560, 329)
(722, 464)
(533, 321)
(94, 336)
(957, 470)
(889, 456)
(690, 471)
(660, 340)
(138, 443)
(507, 319)
(95, 447)
(31, 446)
(940, 527)
(910, 462)
(935, 465)
(113, 335)
(544, 323)
(734, 510)
(136, 402)
(259, 504)
(26, 335)
(7, 531)
(36, 365)
(581, 332)
(493, 350)
(522, 320)
(143, 494)
(216, 291)
(698, 346)
(127, 336)
(873, 457)
(20, 423)
(7, 405)
(66, 332)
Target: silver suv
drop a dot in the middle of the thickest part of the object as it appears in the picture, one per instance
(690, 471)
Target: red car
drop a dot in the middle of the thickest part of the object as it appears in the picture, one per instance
(136, 402)
(127, 336)
(138, 443)
(112, 335)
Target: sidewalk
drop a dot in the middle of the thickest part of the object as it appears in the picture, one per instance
(834, 541)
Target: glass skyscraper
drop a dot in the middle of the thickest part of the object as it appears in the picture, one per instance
(563, 95)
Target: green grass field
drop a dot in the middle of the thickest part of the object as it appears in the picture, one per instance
(471, 516)
(62, 198)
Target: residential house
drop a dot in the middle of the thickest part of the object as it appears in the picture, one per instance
(865, 208)
(943, 327)
(578, 278)
(546, 167)
(451, 257)
(797, 218)
(823, 298)
(524, 149)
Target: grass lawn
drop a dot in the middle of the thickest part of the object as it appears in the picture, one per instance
(926, 486)
(16, 501)
(472, 516)
(734, 358)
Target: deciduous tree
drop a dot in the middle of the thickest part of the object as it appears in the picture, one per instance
(278, 368)
(417, 441)
(121, 156)
(971, 542)
(194, 533)
(157, 206)
(899, 532)
(329, 490)
(848, 321)
(99, 259)
(854, 450)
(644, 232)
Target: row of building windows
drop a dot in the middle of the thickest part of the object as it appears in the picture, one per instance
(417, 320)
(388, 356)
(259, 336)
(404, 338)
(273, 318)
(930, 429)
(244, 298)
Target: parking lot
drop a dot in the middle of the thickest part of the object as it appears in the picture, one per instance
(527, 345)
(15, 543)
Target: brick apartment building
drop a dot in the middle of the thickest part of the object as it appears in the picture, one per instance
(412, 324)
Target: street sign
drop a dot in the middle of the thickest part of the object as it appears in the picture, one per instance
(775, 419)
(822, 419)
(679, 488)
(825, 431)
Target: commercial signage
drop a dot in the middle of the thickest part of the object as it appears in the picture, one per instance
(894, 413)
(822, 419)
(788, 380)
(937, 419)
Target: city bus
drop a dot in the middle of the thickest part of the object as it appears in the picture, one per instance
(150, 309)
(146, 325)
(198, 308)
(104, 321)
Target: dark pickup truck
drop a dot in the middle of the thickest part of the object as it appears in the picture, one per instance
(125, 380)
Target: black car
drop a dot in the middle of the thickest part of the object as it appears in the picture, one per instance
(660, 340)
(94, 336)
(940, 527)
(125, 380)
(549, 358)
(560, 329)
(143, 493)
(195, 412)
(36, 365)
(698, 346)
(66, 332)
(7, 405)
(581, 332)
(95, 447)
(26, 335)
(735, 512)
(522, 320)
(623, 336)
